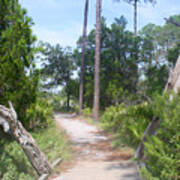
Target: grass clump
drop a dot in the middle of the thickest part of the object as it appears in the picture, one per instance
(53, 143)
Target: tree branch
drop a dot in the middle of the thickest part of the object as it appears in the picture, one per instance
(171, 20)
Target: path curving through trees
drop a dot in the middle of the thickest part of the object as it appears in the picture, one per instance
(95, 158)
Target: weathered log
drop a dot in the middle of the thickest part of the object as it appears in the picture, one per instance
(173, 84)
(151, 129)
(54, 164)
(44, 177)
(8, 119)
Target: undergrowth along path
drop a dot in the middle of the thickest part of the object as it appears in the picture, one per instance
(95, 158)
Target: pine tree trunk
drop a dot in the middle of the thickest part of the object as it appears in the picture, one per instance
(135, 18)
(68, 102)
(8, 119)
(135, 44)
(81, 88)
(97, 62)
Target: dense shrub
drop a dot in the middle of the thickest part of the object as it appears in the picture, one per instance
(39, 114)
(163, 150)
(128, 123)
(87, 112)
(59, 103)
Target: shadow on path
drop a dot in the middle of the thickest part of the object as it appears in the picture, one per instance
(95, 157)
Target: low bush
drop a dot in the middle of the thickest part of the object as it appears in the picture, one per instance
(39, 114)
(14, 165)
(127, 123)
(59, 103)
(163, 149)
(87, 112)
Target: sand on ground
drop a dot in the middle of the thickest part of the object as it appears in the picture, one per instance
(95, 159)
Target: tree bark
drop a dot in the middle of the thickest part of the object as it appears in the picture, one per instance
(135, 18)
(97, 62)
(151, 129)
(81, 88)
(135, 44)
(8, 119)
(68, 102)
(173, 83)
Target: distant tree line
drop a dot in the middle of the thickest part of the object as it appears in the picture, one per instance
(157, 48)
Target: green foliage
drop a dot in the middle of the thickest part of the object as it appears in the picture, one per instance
(118, 63)
(14, 163)
(57, 70)
(39, 114)
(159, 51)
(18, 77)
(57, 65)
(173, 54)
(59, 102)
(131, 68)
(87, 112)
(163, 150)
(54, 145)
(71, 92)
(156, 78)
(128, 123)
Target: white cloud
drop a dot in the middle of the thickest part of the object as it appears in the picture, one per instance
(156, 14)
(146, 12)
(60, 21)
(66, 37)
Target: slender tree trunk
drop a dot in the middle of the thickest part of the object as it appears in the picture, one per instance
(135, 44)
(68, 102)
(81, 88)
(97, 62)
(68, 93)
(135, 18)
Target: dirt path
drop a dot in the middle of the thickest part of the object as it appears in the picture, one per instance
(96, 160)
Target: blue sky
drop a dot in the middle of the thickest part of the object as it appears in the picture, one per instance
(60, 21)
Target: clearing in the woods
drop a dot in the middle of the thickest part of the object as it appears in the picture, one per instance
(94, 157)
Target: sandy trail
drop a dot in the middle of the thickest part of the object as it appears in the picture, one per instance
(94, 155)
